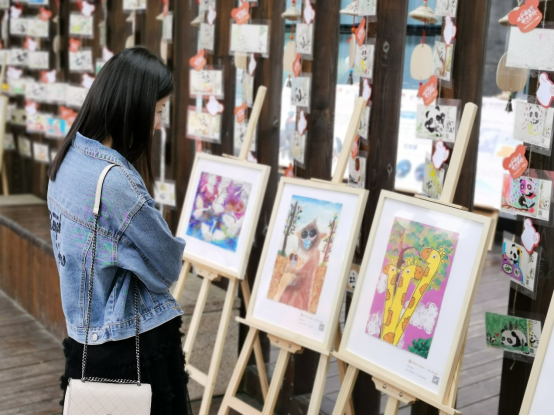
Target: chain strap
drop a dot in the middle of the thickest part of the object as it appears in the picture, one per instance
(87, 324)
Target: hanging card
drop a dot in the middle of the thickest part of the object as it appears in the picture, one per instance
(368, 8)
(364, 60)
(363, 130)
(134, 5)
(516, 163)
(251, 38)
(36, 91)
(298, 147)
(207, 37)
(357, 170)
(36, 122)
(305, 40)
(302, 92)
(442, 61)
(527, 16)
(81, 25)
(37, 3)
(247, 88)
(56, 128)
(433, 179)
(512, 334)
(39, 60)
(165, 193)
(545, 90)
(81, 61)
(203, 126)
(437, 121)
(428, 92)
(520, 266)
(24, 146)
(446, 7)
(167, 27)
(9, 142)
(450, 31)
(19, 27)
(532, 50)
(240, 132)
(75, 96)
(56, 92)
(421, 62)
(533, 125)
(17, 86)
(41, 152)
(38, 28)
(206, 82)
(4, 4)
(530, 238)
(441, 153)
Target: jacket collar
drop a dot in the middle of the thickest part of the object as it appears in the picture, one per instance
(98, 150)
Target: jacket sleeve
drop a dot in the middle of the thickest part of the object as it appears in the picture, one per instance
(148, 249)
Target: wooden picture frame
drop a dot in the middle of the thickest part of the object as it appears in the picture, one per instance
(347, 220)
(545, 352)
(389, 206)
(230, 262)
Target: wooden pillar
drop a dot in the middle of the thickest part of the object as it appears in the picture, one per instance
(515, 374)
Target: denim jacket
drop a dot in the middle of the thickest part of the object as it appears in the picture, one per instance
(133, 238)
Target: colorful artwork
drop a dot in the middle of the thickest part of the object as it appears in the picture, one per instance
(219, 209)
(526, 196)
(442, 60)
(433, 179)
(513, 334)
(411, 287)
(519, 265)
(301, 265)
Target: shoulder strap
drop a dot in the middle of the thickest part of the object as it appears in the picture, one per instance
(96, 212)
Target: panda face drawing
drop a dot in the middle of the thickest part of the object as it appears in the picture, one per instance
(527, 187)
(514, 254)
(544, 204)
(534, 117)
(434, 120)
(513, 338)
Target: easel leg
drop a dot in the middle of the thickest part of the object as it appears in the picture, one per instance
(319, 384)
(392, 406)
(196, 316)
(276, 382)
(238, 372)
(346, 390)
(218, 347)
(180, 286)
(450, 399)
(258, 353)
(342, 372)
(5, 186)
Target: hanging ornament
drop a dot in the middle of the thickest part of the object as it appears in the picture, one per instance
(293, 13)
(288, 84)
(350, 79)
(510, 79)
(505, 21)
(424, 14)
(289, 56)
(421, 63)
(351, 10)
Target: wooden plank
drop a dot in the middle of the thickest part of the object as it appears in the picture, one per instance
(49, 367)
(28, 396)
(484, 390)
(484, 407)
(40, 354)
(46, 407)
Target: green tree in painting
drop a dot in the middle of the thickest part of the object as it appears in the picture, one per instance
(329, 239)
(421, 347)
(290, 226)
(409, 238)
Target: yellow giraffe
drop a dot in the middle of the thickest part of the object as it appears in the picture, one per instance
(390, 271)
(434, 258)
(409, 271)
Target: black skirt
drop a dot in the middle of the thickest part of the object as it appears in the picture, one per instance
(162, 365)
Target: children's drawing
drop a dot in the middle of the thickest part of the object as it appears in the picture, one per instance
(363, 61)
(219, 209)
(301, 265)
(519, 265)
(436, 122)
(442, 60)
(526, 196)
(367, 7)
(207, 36)
(446, 7)
(412, 285)
(533, 124)
(513, 334)
(81, 61)
(203, 126)
(531, 50)
(304, 39)
(249, 38)
(81, 25)
(433, 180)
(301, 92)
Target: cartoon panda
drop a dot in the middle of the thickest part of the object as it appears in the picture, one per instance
(434, 122)
(527, 187)
(533, 119)
(544, 204)
(514, 254)
(491, 339)
(533, 339)
(512, 337)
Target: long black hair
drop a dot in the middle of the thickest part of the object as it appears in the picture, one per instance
(121, 105)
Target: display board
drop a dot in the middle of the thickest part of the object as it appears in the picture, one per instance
(538, 395)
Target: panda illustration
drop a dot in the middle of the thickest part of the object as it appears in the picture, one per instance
(434, 122)
(513, 337)
(514, 254)
(533, 339)
(527, 187)
(491, 339)
(544, 204)
(533, 119)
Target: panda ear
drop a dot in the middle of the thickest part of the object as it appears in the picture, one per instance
(427, 114)
(437, 108)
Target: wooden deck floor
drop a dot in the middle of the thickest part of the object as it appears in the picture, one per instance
(31, 360)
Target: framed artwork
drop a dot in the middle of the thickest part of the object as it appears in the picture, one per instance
(531, 50)
(206, 82)
(221, 211)
(306, 260)
(417, 281)
(538, 394)
(252, 38)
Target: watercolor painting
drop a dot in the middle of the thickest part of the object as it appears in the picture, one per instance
(307, 242)
(518, 264)
(412, 284)
(219, 209)
(513, 334)
(526, 196)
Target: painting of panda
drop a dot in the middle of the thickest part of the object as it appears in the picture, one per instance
(509, 333)
(437, 121)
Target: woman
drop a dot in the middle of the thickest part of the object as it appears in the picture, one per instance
(115, 126)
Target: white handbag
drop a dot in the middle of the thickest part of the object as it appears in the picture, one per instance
(100, 396)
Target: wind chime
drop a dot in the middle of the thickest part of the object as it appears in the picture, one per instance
(292, 14)
(421, 64)
(351, 10)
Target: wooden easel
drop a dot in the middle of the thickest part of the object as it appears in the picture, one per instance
(3, 117)
(288, 347)
(208, 381)
(395, 394)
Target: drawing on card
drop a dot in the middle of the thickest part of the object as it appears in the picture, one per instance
(526, 196)
(442, 60)
(363, 61)
(301, 92)
(436, 122)
(304, 39)
(531, 50)
(301, 265)
(249, 38)
(446, 7)
(533, 124)
(206, 82)
(412, 285)
(519, 265)
(219, 208)
(203, 126)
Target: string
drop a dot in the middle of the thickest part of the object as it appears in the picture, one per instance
(544, 16)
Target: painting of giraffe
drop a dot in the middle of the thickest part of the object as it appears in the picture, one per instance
(412, 284)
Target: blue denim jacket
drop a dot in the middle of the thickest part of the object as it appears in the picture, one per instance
(133, 238)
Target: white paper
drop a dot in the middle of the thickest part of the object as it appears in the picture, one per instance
(250, 39)
(531, 50)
